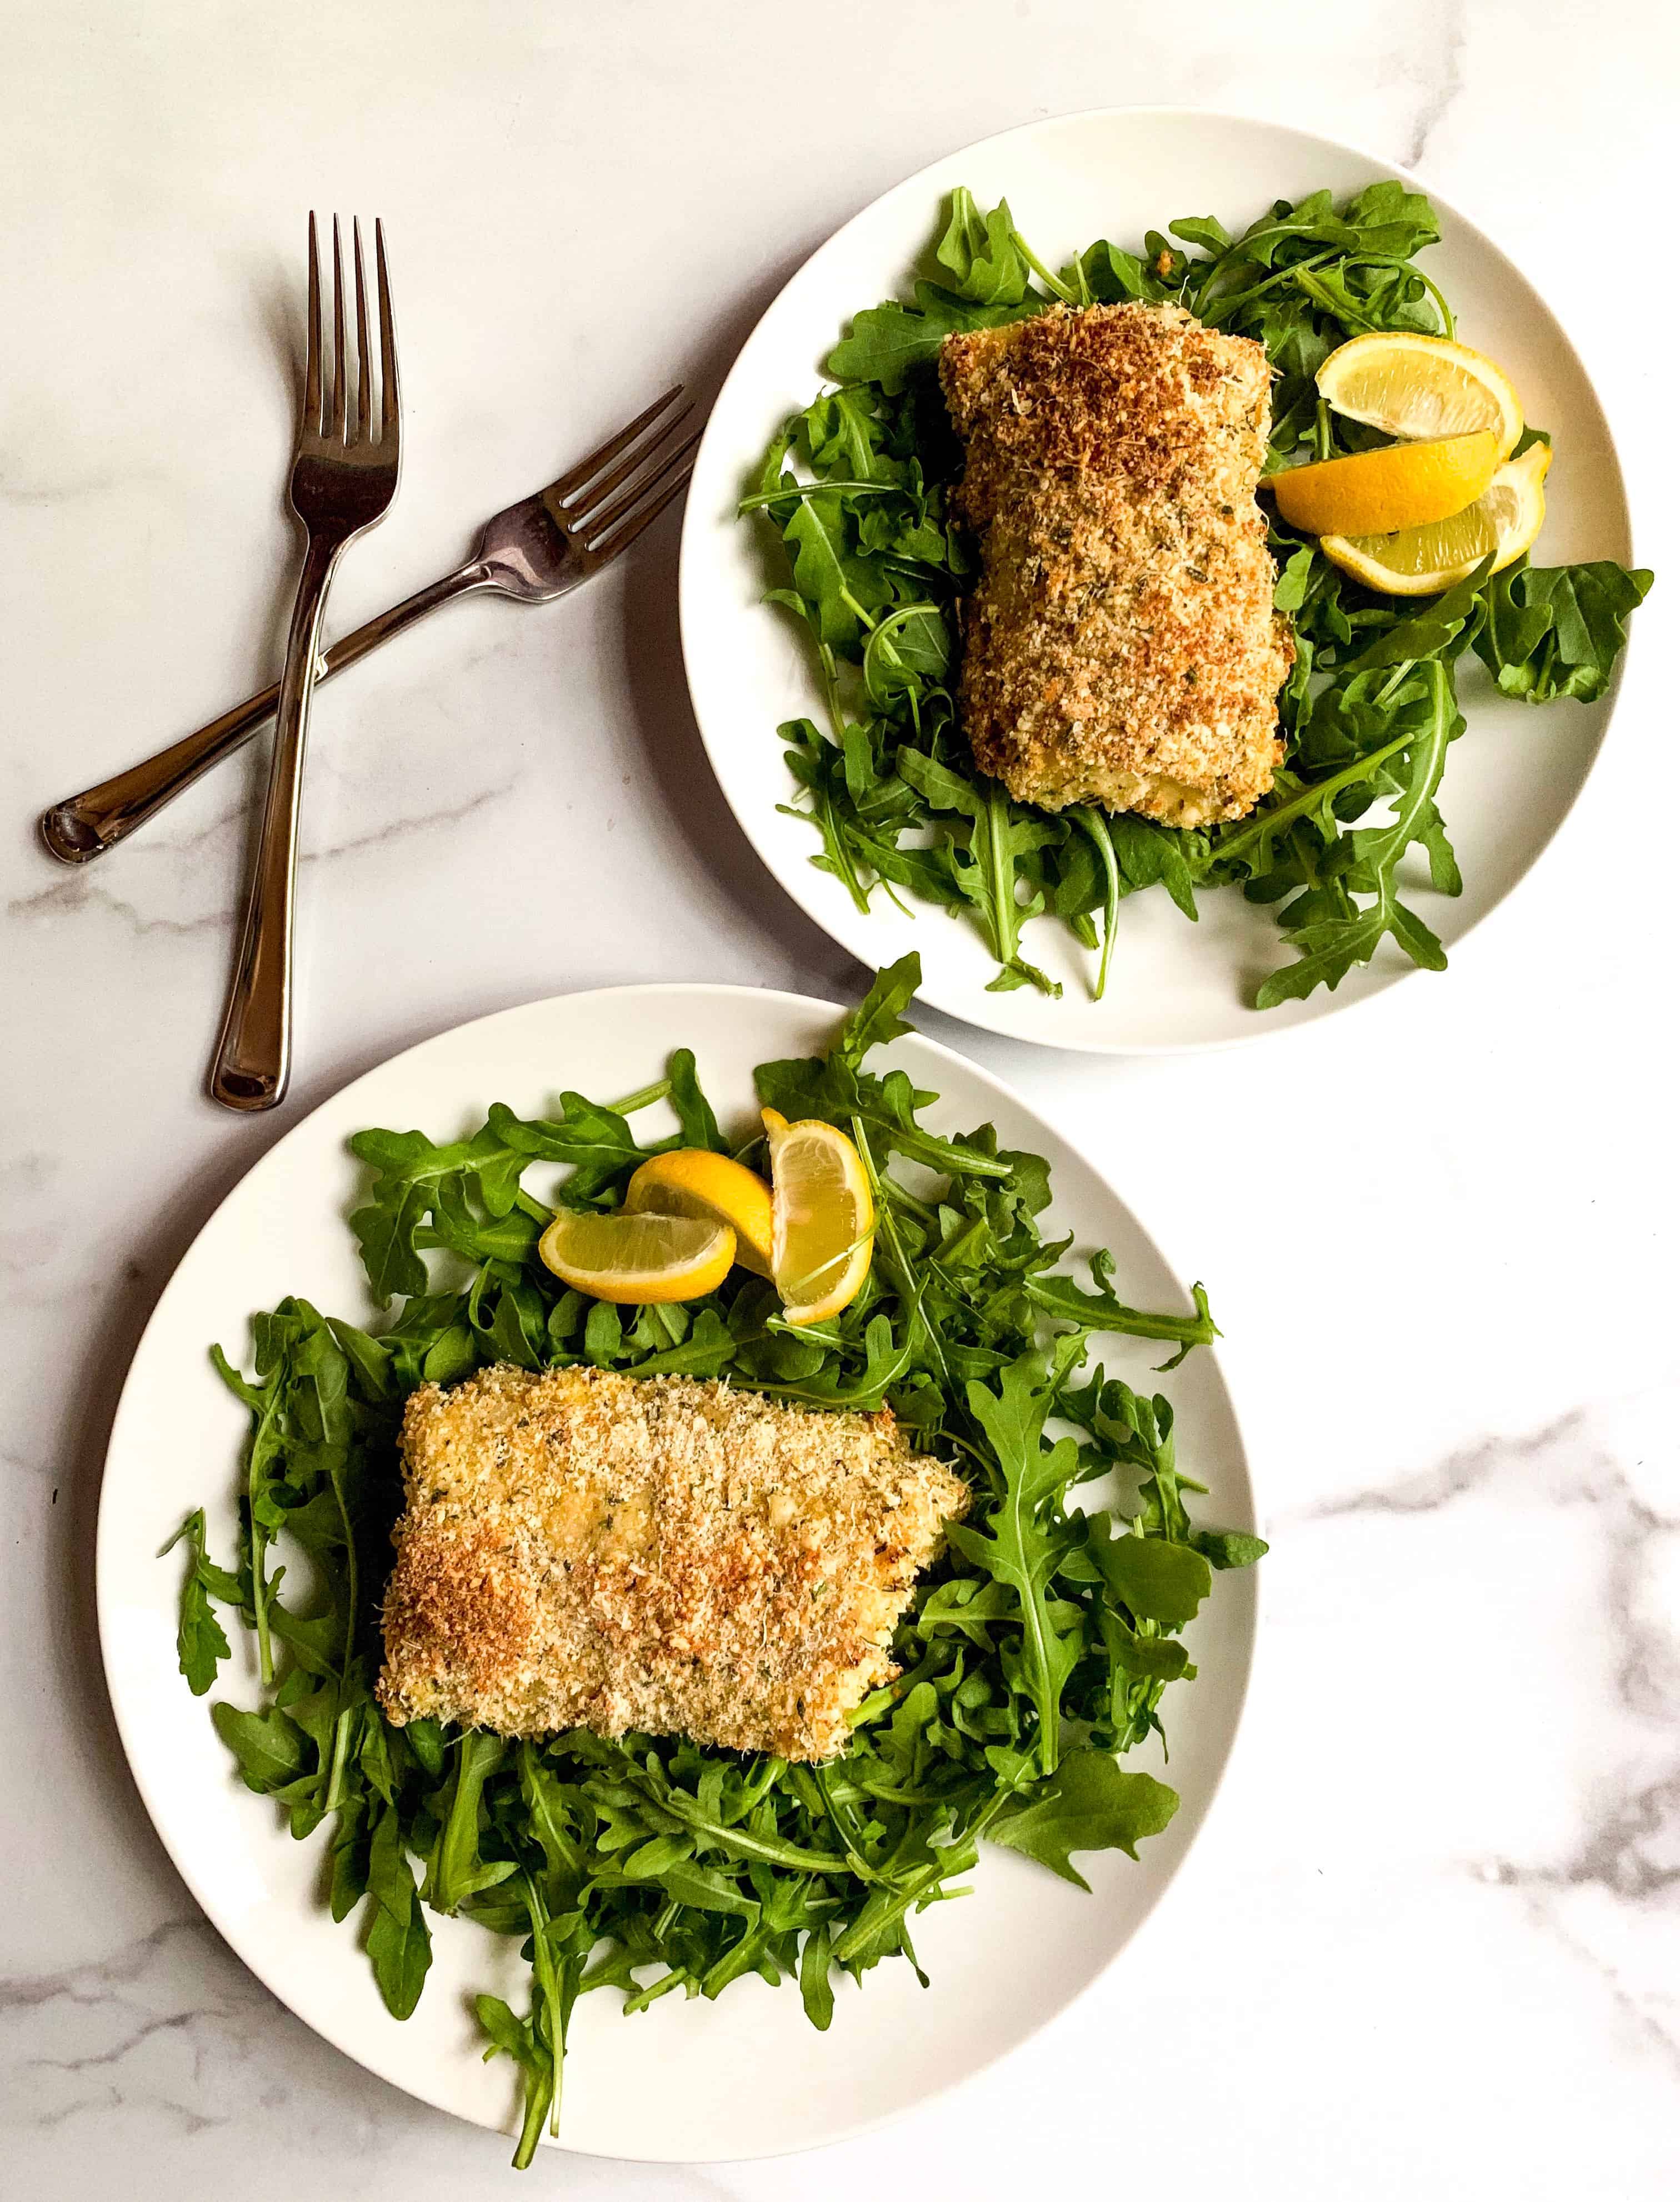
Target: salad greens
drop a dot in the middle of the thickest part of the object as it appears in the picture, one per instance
(858, 486)
(1034, 1657)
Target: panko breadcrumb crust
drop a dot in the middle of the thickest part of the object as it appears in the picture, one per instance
(1121, 647)
(583, 1548)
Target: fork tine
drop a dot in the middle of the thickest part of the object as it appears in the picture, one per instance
(595, 525)
(390, 412)
(599, 491)
(586, 470)
(337, 426)
(364, 384)
(627, 533)
(312, 364)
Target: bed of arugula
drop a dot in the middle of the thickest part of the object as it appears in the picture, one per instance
(1034, 1657)
(858, 486)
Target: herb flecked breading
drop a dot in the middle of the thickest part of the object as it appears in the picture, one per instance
(581, 1549)
(1121, 647)
(862, 487)
(1030, 1658)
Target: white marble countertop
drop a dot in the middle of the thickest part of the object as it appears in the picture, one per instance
(1430, 1944)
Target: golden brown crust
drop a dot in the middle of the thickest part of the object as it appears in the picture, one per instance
(1121, 647)
(584, 1549)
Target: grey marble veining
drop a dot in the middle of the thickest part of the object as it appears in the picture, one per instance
(1429, 1942)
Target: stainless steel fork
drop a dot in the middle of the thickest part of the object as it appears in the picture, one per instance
(343, 478)
(536, 550)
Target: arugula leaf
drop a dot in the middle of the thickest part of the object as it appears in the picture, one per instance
(1100, 1310)
(814, 1986)
(1229, 1548)
(1451, 618)
(201, 1642)
(888, 343)
(399, 1941)
(456, 1871)
(269, 1746)
(596, 1143)
(518, 2038)
(1156, 1580)
(405, 1194)
(1334, 933)
(1018, 1546)
(693, 1111)
(1154, 1659)
(879, 1017)
(839, 588)
(1556, 630)
(980, 254)
(1088, 1805)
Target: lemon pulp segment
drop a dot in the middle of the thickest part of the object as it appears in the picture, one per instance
(824, 1217)
(635, 1260)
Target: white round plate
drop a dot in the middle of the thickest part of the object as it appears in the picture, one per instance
(1069, 181)
(685, 2081)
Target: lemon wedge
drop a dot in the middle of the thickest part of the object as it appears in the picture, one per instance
(693, 1181)
(1416, 385)
(635, 1259)
(824, 1217)
(1376, 492)
(1420, 562)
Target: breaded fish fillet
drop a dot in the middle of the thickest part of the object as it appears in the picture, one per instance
(1121, 647)
(584, 1549)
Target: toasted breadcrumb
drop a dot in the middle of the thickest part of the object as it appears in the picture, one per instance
(1121, 646)
(590, 1550)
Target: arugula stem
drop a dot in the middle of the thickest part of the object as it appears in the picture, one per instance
(1343, 308)
(1053, 284)
(336, 1478)
(1448, 325)
(1230, 303)
(265, 1649)
(1394, 679)
(909, 1284)
(767, 1848)
(859, 1864)
(950, 1158)
(831, 687)
(768, 496)
(542, 2092)
(341, 1736)
(1197, 1329)
(834, 838)
(920, 1209)
(643, 1097)
(1307, 798)
(949, 1436)
(1102, 841)
(881, 640)
(866, 1928)
(1394, 840)
(810, 1333)
(856, 609)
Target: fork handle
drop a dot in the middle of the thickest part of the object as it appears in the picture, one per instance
(253, 1057)
(83, 827)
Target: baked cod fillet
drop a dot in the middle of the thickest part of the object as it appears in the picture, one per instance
(581, 1549)
(1121, 647)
